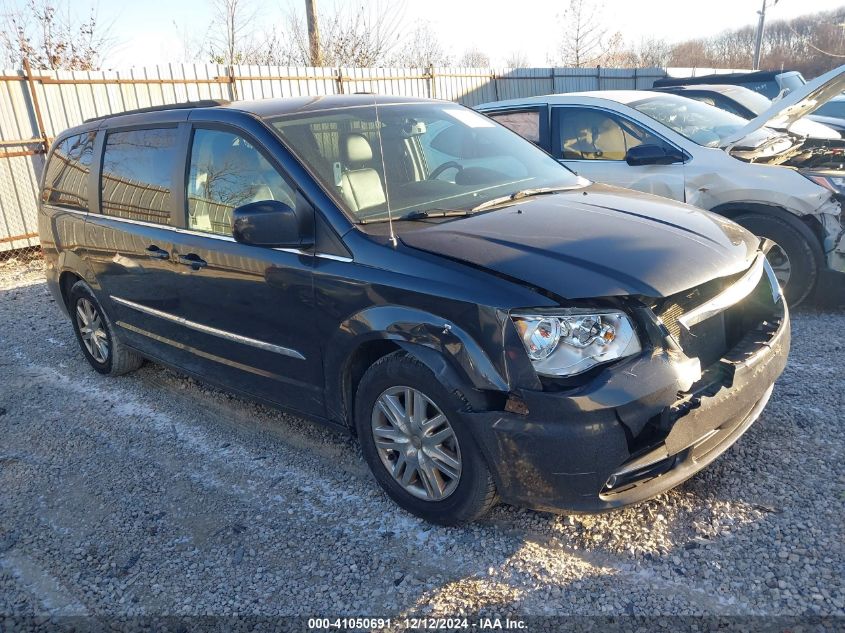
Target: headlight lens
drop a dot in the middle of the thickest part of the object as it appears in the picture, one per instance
(836, 184)
(568, 344)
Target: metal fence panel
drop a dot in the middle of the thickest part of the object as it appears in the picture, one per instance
(37, 105)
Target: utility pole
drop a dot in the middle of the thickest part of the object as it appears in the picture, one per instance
(313, 33)
(761, 25)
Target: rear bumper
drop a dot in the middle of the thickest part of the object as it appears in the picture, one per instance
(587, 453)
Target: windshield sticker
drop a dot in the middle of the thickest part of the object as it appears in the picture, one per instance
(470, 118)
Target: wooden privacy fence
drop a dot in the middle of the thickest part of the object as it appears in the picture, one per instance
(36, 105)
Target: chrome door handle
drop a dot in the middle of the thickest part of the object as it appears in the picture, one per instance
(157, 253)
(193, 260)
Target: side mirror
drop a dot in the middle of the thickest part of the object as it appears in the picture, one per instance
(651, 155)
(268, 223)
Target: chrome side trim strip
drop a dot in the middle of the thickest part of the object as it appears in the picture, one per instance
(206, 329)
(213, 236)
(217, 359)
(336, 258)
(728, 297)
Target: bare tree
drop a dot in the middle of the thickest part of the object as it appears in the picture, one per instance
(517, 59)
(360, 35)
(193, 43)
(692, 53)
(48, 36)
(652, 52)
(812, 43)
(586, 39)
(231, 32)
(474, 58)
(734, 49)
(422, 48)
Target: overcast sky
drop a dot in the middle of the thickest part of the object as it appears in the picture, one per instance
(145, 34)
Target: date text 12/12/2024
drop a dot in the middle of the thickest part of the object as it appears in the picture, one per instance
(417, 624)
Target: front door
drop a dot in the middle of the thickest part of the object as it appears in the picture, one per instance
(593, 143)
(245, 313)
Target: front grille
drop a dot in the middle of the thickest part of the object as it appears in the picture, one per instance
(708, 341)
(711, 338)
(672, 308)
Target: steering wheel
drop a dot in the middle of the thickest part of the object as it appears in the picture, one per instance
(441, 168)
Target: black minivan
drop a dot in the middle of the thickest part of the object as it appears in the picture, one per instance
(490, 325)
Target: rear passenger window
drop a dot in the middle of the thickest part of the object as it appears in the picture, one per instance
(526, 124)
(66, 177)
(137, 174)
(228, 172)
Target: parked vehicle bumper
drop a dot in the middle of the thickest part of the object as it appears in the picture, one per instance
(830, 290)
(576, 452)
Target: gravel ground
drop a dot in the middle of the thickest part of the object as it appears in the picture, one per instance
(152, 494)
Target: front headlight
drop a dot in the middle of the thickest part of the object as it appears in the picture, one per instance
(836, 184)
(568, 344)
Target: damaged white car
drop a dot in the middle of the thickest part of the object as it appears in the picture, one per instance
(760, 173)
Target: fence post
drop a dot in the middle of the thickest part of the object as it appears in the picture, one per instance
(495, 84)
(598, 77)
(636, 87)
(339, 80)
(432, 87)
(552, 79)
(233, 87)
(39, 122)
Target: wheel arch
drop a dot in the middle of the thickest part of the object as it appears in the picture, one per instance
(807, 225)
(72, 268)
(449, 352)
(66, 281)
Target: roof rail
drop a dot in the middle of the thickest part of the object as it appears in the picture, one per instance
(204, 103)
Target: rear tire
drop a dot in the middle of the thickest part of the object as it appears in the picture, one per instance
(432, 491)
(799, 246)
(96, 334)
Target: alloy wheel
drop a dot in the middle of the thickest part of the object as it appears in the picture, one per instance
(91, 329)
(779, 261)
(416, 443)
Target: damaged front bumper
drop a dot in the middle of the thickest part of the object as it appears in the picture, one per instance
(636, 429)
(832, 280)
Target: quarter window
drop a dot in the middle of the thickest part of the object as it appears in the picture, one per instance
(227, 171)
(526, 123)
(587, 134)
(66, 178)
(137, 173)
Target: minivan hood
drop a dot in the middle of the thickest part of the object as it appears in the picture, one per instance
(600, 241)
(783, 114)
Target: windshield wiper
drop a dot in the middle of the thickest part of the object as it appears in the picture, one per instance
(435, 213)
(420, 215)
(522, 193)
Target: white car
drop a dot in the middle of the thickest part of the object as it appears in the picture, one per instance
(759, 173)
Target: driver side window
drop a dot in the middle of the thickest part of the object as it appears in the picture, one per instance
(588, 134)
(227, 172)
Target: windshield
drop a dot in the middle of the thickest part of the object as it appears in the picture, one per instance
(417, 157)
(699, 122)
(771, 88)
(833, 108)
(753, 101)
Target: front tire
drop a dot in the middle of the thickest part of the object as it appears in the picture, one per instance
(416, 444)
(96, 336)
(796, 257)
